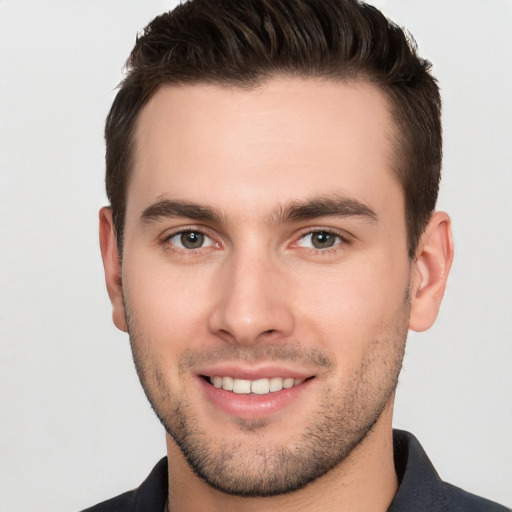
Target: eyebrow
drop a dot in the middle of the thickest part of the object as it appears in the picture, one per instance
(173, 208)
(331, 206)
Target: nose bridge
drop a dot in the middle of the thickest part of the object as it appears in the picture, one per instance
(253, 297)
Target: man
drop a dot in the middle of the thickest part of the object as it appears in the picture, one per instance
(273, 169)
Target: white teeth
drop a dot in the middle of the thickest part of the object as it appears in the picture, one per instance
(288, 383)
(276, 384)
(241, 386)
(227, 383)
(258, 387)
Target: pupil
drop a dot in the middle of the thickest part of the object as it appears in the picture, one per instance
(192, 240)
(322, 240)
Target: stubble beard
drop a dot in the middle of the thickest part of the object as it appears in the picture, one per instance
(251, 467)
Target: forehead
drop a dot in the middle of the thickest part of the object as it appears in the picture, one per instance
(274, 143)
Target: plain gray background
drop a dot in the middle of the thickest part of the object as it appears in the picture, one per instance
(75, 427)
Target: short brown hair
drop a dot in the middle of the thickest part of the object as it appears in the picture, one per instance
(245, 42)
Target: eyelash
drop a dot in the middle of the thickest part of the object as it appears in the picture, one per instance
(166, 241)
(340, 240)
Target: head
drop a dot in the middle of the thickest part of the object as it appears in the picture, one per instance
(245, 43)
(272, 168)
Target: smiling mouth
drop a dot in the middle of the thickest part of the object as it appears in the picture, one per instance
(257, 387)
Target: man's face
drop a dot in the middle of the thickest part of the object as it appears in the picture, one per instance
(265, 247)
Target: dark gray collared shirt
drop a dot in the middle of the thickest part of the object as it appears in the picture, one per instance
(421, 489)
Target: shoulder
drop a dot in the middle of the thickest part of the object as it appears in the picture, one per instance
(122, 503)
(421, 488)
(150, 496)
(458, 500)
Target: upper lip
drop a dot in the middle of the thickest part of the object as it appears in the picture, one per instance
(238, 371)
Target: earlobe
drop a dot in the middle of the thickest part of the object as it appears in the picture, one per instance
(430, 271)
(112, 266)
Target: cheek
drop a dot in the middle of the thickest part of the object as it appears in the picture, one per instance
(165, 310)
(165, 303)
(354, 306)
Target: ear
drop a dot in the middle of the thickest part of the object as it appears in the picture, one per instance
(431, 266)
(112, 266)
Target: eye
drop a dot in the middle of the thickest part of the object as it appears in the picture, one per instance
(319, 240)
(190, 240)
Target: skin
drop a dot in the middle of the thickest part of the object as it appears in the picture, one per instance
(257, 296)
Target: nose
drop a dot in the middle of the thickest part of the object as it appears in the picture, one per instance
(253, 301)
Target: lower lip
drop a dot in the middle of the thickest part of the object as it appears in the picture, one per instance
(253, 407)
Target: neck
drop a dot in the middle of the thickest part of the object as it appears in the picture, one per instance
(364, 481)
